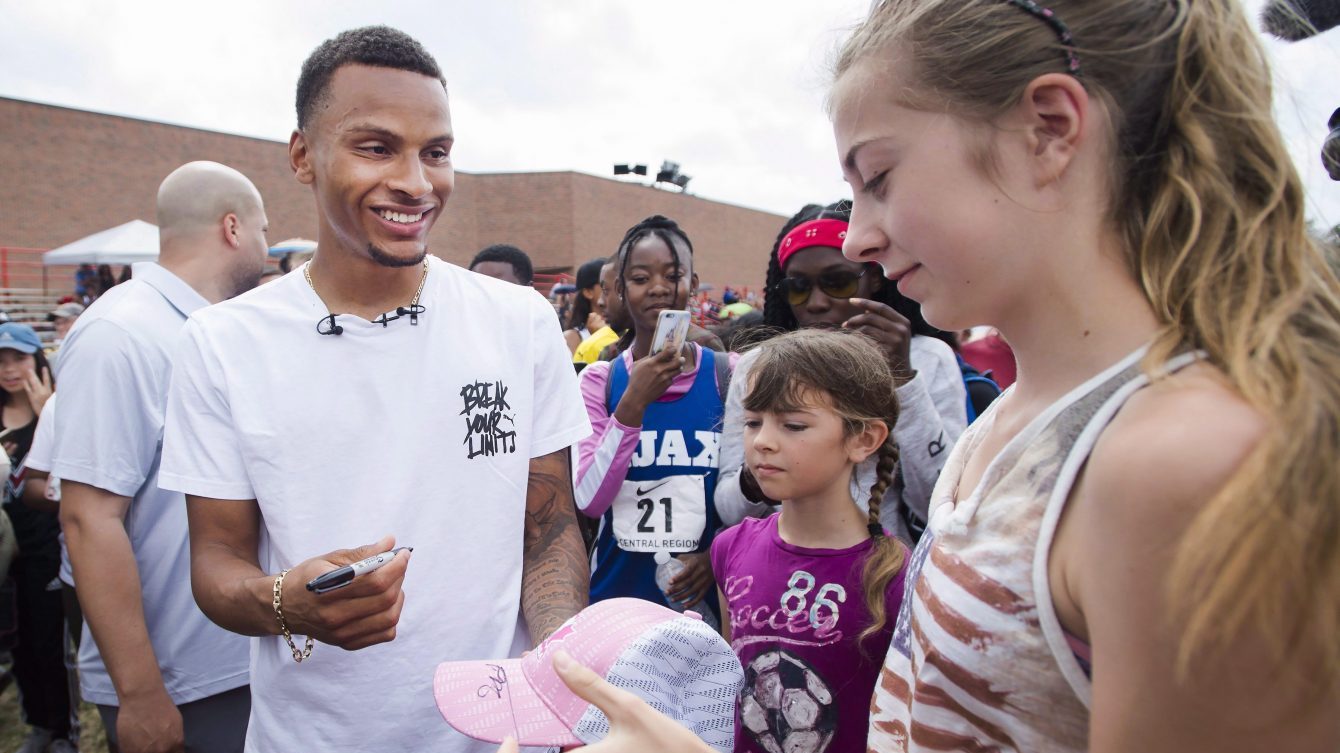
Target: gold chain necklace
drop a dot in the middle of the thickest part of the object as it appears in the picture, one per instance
(307, 273)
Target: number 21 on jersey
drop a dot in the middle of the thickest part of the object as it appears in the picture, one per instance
(664, 515)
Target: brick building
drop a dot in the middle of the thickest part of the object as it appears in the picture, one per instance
(68, 173)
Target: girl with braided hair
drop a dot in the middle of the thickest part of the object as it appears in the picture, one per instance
(810, 593)
(648, 470)
(810, 285)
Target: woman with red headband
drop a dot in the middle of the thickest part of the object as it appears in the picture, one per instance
(811, 285)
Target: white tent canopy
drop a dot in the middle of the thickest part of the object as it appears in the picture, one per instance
(134, 241)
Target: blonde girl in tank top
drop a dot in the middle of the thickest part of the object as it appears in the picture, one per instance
(1138, 547)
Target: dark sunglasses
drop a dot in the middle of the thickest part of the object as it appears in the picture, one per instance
(834, 285)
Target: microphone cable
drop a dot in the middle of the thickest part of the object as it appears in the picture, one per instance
(326, 325)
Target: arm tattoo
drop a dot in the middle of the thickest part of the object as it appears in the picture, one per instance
(555, 576)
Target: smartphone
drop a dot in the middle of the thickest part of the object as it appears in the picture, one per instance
(672, 329)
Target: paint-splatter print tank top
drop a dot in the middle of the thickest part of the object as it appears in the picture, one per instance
(979, 660)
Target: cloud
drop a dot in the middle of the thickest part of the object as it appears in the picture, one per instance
(733, 90)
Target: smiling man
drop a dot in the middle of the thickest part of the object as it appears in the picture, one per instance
(390, 434)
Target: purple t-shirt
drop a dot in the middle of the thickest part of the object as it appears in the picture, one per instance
(795, 615)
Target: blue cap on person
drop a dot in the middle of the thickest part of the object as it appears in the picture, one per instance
(19, 337)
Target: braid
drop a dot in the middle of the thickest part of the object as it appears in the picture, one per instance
(886, 553)
(886, 466)
(776, 311)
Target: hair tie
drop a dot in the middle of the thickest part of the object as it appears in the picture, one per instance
(876, 530)
(1048, 16)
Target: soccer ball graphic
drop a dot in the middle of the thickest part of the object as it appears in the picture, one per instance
(786, 706)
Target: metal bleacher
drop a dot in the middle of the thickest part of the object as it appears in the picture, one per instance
(29, 290)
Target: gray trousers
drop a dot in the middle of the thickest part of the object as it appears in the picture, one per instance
(217, 724)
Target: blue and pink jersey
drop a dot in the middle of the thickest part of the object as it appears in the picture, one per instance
(651, 486)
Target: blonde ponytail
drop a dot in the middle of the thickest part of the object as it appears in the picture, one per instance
(1247, 284)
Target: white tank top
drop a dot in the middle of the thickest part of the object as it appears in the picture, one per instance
(979, 660)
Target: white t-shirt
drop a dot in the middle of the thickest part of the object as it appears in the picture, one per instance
(39, 459)
(113, 379)
(422, 431)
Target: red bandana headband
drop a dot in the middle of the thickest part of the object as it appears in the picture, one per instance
(829, 233)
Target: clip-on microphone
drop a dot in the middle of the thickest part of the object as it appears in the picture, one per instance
(331, 328)
(413, 311)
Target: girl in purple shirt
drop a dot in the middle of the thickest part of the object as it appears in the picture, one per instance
(810, 593)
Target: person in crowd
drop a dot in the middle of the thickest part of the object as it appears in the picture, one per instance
(62, 319)
(294, 259)
(992, 356)
(813, 589)
(504, 262)
(374, 329)
(731, 306)
(161, 674)
(42, 491)
(125, 274)
(616, 319)
(811, 285)
(656, 422)
(560, 297)
(106, 279)
(743, 330)
(26, 385)
(85, 278)
(585, 316)
(1136, 548)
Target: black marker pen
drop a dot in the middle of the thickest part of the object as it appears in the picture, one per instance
(343, 576)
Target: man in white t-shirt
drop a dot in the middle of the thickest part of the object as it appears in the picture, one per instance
(376, 392)
(162, 675)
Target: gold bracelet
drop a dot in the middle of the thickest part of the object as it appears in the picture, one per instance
(298, 656)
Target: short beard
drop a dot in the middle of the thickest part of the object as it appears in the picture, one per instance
(387, 260)
(246, 279)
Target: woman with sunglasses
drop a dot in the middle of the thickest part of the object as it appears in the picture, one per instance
(810, 285)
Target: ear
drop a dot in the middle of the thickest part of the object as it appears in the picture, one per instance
(867, 442)
(693, 284)
(1055, 110)
(300, 158)
(232, 227)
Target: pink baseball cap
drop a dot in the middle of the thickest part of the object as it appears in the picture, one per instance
(675, 662)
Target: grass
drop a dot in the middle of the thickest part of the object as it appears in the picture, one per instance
(13, 730)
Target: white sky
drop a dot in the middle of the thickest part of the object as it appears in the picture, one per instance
(731, 89)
